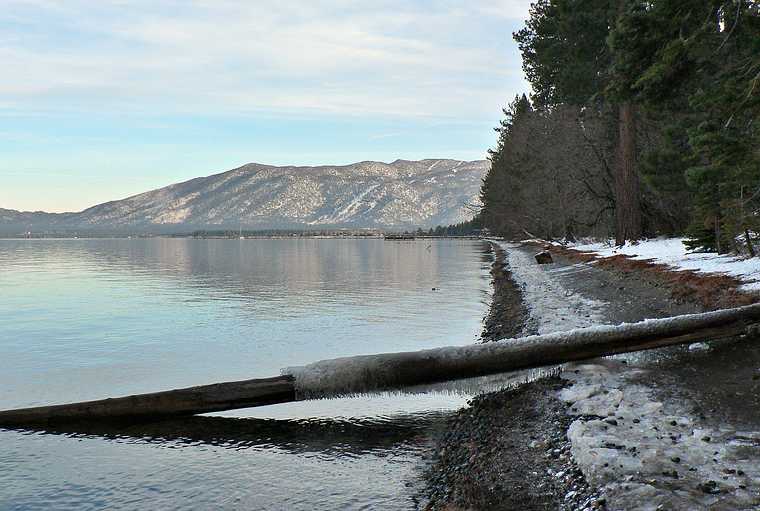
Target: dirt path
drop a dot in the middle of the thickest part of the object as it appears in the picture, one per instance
(723, 378)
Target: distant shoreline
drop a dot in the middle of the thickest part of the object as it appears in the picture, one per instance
(243, 237)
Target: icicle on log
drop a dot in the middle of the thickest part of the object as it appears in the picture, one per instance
(369, 373)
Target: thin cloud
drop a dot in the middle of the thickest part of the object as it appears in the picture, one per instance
(381, 136)
(386, 58)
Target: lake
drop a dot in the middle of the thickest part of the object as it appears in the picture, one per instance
(85, 319)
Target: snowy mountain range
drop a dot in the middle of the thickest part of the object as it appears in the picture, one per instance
(366, 194)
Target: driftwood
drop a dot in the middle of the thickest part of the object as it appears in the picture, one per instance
(188, 401)
(544, 257)
(397, 370)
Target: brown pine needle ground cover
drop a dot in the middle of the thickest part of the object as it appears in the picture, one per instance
(711, 290)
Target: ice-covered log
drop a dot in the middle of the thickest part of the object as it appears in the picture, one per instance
(397, 370)
(394, 370)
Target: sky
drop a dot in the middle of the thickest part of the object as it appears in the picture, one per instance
(103, 99)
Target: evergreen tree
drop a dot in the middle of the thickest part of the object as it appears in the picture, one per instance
(674, 85)
(564, 50)
(699, 60)
(499, 195)
(567, 59)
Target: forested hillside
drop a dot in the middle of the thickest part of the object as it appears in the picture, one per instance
(400, 194)
(643, 120)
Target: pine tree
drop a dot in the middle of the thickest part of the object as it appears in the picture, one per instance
(498, 195)
(699, 60)
(567, 59)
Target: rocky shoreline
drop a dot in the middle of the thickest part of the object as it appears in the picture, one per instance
(509, 449)
(621, 433)
(508, 313)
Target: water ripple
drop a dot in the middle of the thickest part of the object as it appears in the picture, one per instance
(86, 319)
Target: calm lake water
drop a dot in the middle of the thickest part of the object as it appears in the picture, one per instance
(88, 319)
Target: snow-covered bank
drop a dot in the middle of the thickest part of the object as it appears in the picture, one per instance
(639, 449)
(673, 252)
(646, 454)
(551, 306)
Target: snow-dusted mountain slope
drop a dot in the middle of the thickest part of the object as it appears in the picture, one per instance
(365, 194)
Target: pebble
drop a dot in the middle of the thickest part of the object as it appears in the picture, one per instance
(710, 487)
(554, 474)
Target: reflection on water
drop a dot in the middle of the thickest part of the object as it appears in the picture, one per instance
(312, 437)
(85, 319)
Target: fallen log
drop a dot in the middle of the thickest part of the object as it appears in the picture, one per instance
(170, 403)
(367, 373)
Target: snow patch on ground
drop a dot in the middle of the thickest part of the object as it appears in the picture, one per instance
(645, 454)
(673, 252)
(551, 306)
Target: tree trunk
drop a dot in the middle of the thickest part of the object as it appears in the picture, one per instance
(627, 195)
(748, 240)
(170, 403)
(397, 370)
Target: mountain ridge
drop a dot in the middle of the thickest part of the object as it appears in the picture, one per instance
(403, 193)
